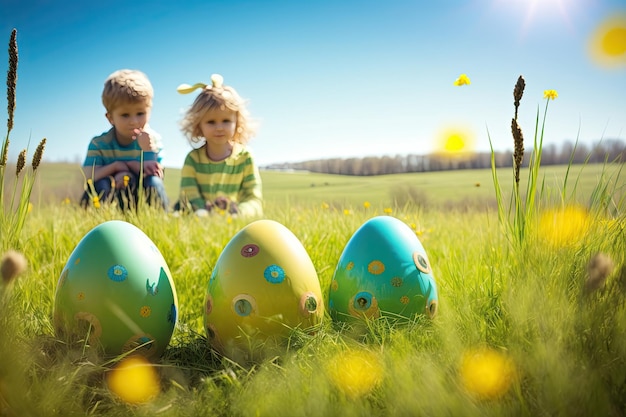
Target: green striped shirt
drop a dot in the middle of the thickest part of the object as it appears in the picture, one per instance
(236, 177)
(105, 149)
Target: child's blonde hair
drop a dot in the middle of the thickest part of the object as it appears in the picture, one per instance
(215, 96)
(126, 86)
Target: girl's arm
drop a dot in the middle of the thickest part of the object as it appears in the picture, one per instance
(189, 190)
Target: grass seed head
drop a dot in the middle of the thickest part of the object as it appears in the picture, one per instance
(11, 79)
(21, 162)
(5, 153)
(518, 92)
(518, 140)
(13, 263)
(600, 266)
(38, 154)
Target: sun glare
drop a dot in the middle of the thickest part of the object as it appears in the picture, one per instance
(531, 11)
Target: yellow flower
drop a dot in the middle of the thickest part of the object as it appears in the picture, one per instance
(462, 80)
(325, 206)
(366, 204)
(96, 201)
(550, 94)
(486, 373)
(355, 372)
(126, 179)
(347, 212)
(607, 45)
(66, 201)
(387, 210)
(134, 380)
(563, 226)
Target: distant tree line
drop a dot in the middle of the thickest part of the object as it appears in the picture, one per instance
(611, 150)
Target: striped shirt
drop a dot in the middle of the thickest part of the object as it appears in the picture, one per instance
(236, 177)
(105, 150)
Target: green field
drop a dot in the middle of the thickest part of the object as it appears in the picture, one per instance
(443, 189)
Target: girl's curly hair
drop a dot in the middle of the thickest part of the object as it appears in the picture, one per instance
(217, 97)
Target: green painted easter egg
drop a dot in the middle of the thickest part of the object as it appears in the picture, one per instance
(263, 286)
(116, 291)
(383, 271)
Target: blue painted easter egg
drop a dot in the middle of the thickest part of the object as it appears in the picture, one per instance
(383, 271)
(117, 290)
(263, 286)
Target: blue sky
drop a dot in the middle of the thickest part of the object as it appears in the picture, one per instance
(325, 78)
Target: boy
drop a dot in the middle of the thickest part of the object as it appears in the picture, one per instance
(113, 158)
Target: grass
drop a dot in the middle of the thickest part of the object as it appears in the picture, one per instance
(566, 345)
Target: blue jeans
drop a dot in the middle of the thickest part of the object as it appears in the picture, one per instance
(127, 197)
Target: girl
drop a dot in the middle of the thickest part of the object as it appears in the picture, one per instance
(220, 173)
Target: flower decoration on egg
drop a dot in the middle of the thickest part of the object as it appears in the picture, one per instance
(383, 271)
(116, 288)
(263, 285)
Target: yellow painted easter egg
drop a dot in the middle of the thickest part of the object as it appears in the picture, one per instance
(117, 292)
(263, 286)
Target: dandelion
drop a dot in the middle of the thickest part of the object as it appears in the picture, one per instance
(12, 264)
(38, 154)
(134, 380)
(366, 205)
(11, 79)
(387, 210)
(96, 201)
(486, 373)
(600, 266)
(607, 45)
(21, 162)
(126, 179)
(347, 212)
(563, 226)
(462, 80)
(355, 372)
(550, 94)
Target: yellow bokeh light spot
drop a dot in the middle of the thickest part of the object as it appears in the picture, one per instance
(455, 141)
(355, 372)
(614, 41)
(607, 44)
(134, 380)
(563, 226)
(486, 373)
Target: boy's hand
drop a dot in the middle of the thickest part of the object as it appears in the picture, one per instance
(119, 179)
(153, 168)
(146, 142)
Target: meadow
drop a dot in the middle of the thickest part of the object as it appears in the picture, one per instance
(519, 329)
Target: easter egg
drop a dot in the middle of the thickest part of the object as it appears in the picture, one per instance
(263, 286)
(117, 290)
(383, 271)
